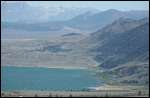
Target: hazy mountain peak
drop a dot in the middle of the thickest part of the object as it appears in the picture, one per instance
(145, 20)
(14, 6)
(123, 19)
(113, 10)
(88, 12)
(13, 12)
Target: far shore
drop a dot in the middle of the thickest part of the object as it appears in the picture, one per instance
(51, 66)
(48, 66)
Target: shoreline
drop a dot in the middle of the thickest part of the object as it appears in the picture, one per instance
(97, 88)
(52, 66)
(47, 66)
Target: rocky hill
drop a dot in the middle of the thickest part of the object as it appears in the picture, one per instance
(122, 48)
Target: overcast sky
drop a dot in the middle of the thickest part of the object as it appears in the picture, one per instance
(101, 5)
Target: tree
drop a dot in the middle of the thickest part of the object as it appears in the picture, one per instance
(36, 95)
(3, 94)
(50, 95)
(57, 95)
(139, 93)
(106, 95)
(85, 89)
(70, 95)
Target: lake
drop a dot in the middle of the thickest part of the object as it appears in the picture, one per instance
(46, 79)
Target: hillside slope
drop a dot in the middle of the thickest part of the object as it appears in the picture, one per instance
(122, 48)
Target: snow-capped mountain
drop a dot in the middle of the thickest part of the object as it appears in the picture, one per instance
(13, 12)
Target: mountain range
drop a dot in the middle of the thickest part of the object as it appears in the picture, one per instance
(83, 24)
(21, 11)
(96, 21)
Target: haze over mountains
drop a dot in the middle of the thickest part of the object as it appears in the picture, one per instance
(85, 23)
(21, 11)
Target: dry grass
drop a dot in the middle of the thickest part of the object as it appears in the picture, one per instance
(125, 87)
(74, 93)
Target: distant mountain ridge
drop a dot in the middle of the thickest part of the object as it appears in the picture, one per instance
(14, 12)
(84, 23)
(101, 19)
(71, 34)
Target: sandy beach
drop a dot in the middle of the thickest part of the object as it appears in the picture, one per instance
(49, 66)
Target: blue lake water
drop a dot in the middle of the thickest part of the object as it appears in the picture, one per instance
(47, 79)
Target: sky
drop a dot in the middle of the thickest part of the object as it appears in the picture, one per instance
(101, 5)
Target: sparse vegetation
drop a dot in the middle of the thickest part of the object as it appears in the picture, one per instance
(70, 95)
(57, 95)
(139, 93)
(106, 95)
(101, 93)
(50, 95)
(85, 90)
(2, 94)
(54, 49)
(36, 95)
